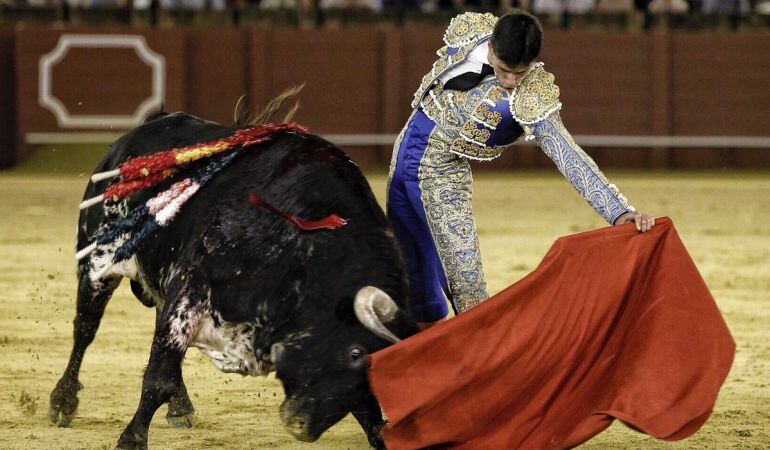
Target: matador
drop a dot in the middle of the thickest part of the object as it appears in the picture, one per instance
(484, 92)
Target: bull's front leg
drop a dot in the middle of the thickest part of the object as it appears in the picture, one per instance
(162, 379)
(369, 416)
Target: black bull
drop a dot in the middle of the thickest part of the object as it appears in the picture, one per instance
(247, 287)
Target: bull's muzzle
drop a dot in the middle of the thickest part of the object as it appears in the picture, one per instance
(297, 423)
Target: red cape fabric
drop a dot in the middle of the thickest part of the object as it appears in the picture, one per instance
(613, 324)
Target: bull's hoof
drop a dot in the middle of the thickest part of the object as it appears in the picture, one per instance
(181, 413)
(64, 402)
(375, 438)
(131, 441)
(183, 421)
(60, 418)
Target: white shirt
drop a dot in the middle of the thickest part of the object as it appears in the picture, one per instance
(473, 62)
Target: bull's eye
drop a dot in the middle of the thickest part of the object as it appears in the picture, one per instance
(356, 356)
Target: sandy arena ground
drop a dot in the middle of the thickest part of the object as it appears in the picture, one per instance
(723, 219)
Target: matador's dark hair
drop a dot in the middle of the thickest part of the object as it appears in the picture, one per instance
(517, 38)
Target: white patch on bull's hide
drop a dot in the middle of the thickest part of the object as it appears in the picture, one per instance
(186, 314)
(128, 268)
(100, 260)
(230, 347)
(168, 275)
(217, 316)
(186, 320)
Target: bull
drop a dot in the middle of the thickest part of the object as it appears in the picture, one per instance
(253, 292)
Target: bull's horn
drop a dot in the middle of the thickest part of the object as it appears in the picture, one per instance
(374, 308)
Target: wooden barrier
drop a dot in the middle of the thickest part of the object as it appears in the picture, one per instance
(720, 87)
(108, 81)
(215, 72)
(361, 81)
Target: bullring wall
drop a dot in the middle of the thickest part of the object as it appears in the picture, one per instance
(361, 80)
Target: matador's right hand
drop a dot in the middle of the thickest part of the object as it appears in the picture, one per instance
(643, 221)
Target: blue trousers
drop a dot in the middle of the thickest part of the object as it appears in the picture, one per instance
(406, 212)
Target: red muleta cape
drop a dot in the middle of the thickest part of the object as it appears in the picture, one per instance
(613, 324)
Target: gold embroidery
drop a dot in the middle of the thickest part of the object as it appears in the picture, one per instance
(435, 103)
(469, 27)
(536, 97)
(439, 66)
(497, 93)
(446, 191)
(486, 117)
(475, 134)
(432, 111)
(461, 29)
(462, 53)
(460, 98)
(464, 33)
(465, 120)
(466, 149)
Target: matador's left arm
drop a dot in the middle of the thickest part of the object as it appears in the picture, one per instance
(580, 169)
(535, 106)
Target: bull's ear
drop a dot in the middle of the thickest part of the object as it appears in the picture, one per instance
(380, 315)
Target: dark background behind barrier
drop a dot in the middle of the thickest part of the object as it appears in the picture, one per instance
(361, 80)
(7, 98)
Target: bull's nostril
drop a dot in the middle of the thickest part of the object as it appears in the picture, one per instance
(299, 427)
(297, 424)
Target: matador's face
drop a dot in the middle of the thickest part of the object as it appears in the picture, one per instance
(509, 77)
